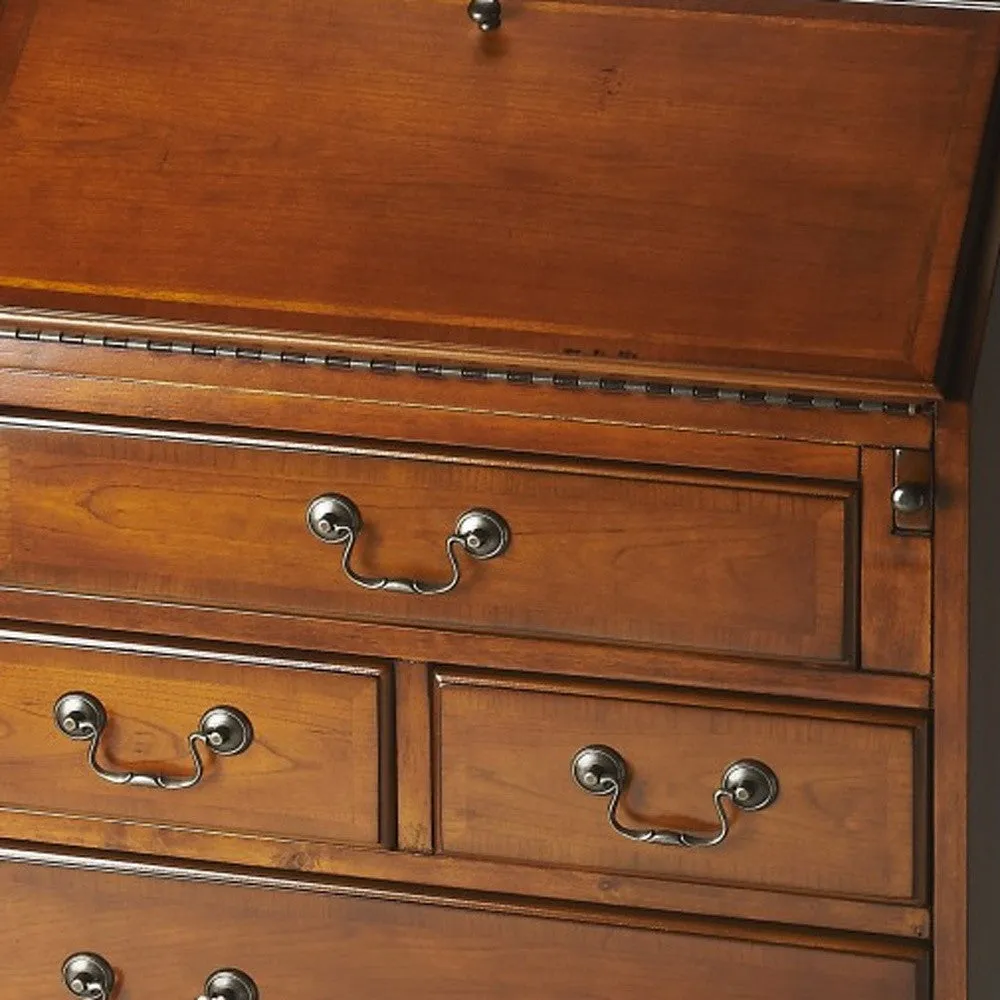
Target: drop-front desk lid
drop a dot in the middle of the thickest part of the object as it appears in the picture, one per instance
(780, 189)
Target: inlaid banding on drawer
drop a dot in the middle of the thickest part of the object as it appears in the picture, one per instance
(751, 565)
(834, 803)
(307, 767)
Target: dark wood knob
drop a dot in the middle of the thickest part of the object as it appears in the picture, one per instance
(488, 14)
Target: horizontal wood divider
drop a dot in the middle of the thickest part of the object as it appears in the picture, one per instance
(545, 656)
(300, 398)
(867, 928)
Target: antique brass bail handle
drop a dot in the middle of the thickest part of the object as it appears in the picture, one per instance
(226, 731)
(90, 976)
(480, 533)
(748, 784)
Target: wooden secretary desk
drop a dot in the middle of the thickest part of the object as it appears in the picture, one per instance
(485, 499)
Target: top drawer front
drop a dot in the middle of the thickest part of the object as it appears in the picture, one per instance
(737, 564)
(625, 179)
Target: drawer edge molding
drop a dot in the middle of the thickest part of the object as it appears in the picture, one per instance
(68, 858)
(828, 487)
(87, 499)
(415, 866)
(349, 640)
(126, 712)
(842, 829)
(180, 649)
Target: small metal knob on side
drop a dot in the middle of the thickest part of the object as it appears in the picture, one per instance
(88, 975)
(486, 14)
(230, 984)
(748, 784)
(908, 498)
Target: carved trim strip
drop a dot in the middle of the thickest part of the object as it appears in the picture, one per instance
(389, 366)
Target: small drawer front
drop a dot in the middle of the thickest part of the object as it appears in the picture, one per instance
(162, 939)
(745, 564)
(847, 797)
(309, 769)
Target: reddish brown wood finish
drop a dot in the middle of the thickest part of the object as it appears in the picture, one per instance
(761, 910)
(312, 772)
(678, 204)
(413, 757)
(951, 704)
(628, 554)
(786, 192)
(983, 811)
(294, 397)
(544, 656)
(840, 825)
(305, 945)
(895, 579)
(412, 728)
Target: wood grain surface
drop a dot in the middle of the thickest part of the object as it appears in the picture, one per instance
(198, 382)
(295, 944)
(311, 772)
(851, 790)
(607, 552)
(896, 611)
(951, 700)
(783, 193)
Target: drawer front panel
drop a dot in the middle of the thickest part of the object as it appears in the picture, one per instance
(163, 938)
(311, 771)
(844, 822)
(745, 564)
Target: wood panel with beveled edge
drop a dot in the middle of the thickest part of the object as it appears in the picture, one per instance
(302, 938)
(313, 771)
(848, 819)
(592, 198)
(634, 554)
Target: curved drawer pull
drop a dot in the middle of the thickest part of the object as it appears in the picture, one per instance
(229, 984)
(88, 975)
(225, 731)
(481, 533)
(486, 14)
(748, 784)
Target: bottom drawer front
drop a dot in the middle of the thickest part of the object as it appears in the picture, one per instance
(163, 938)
